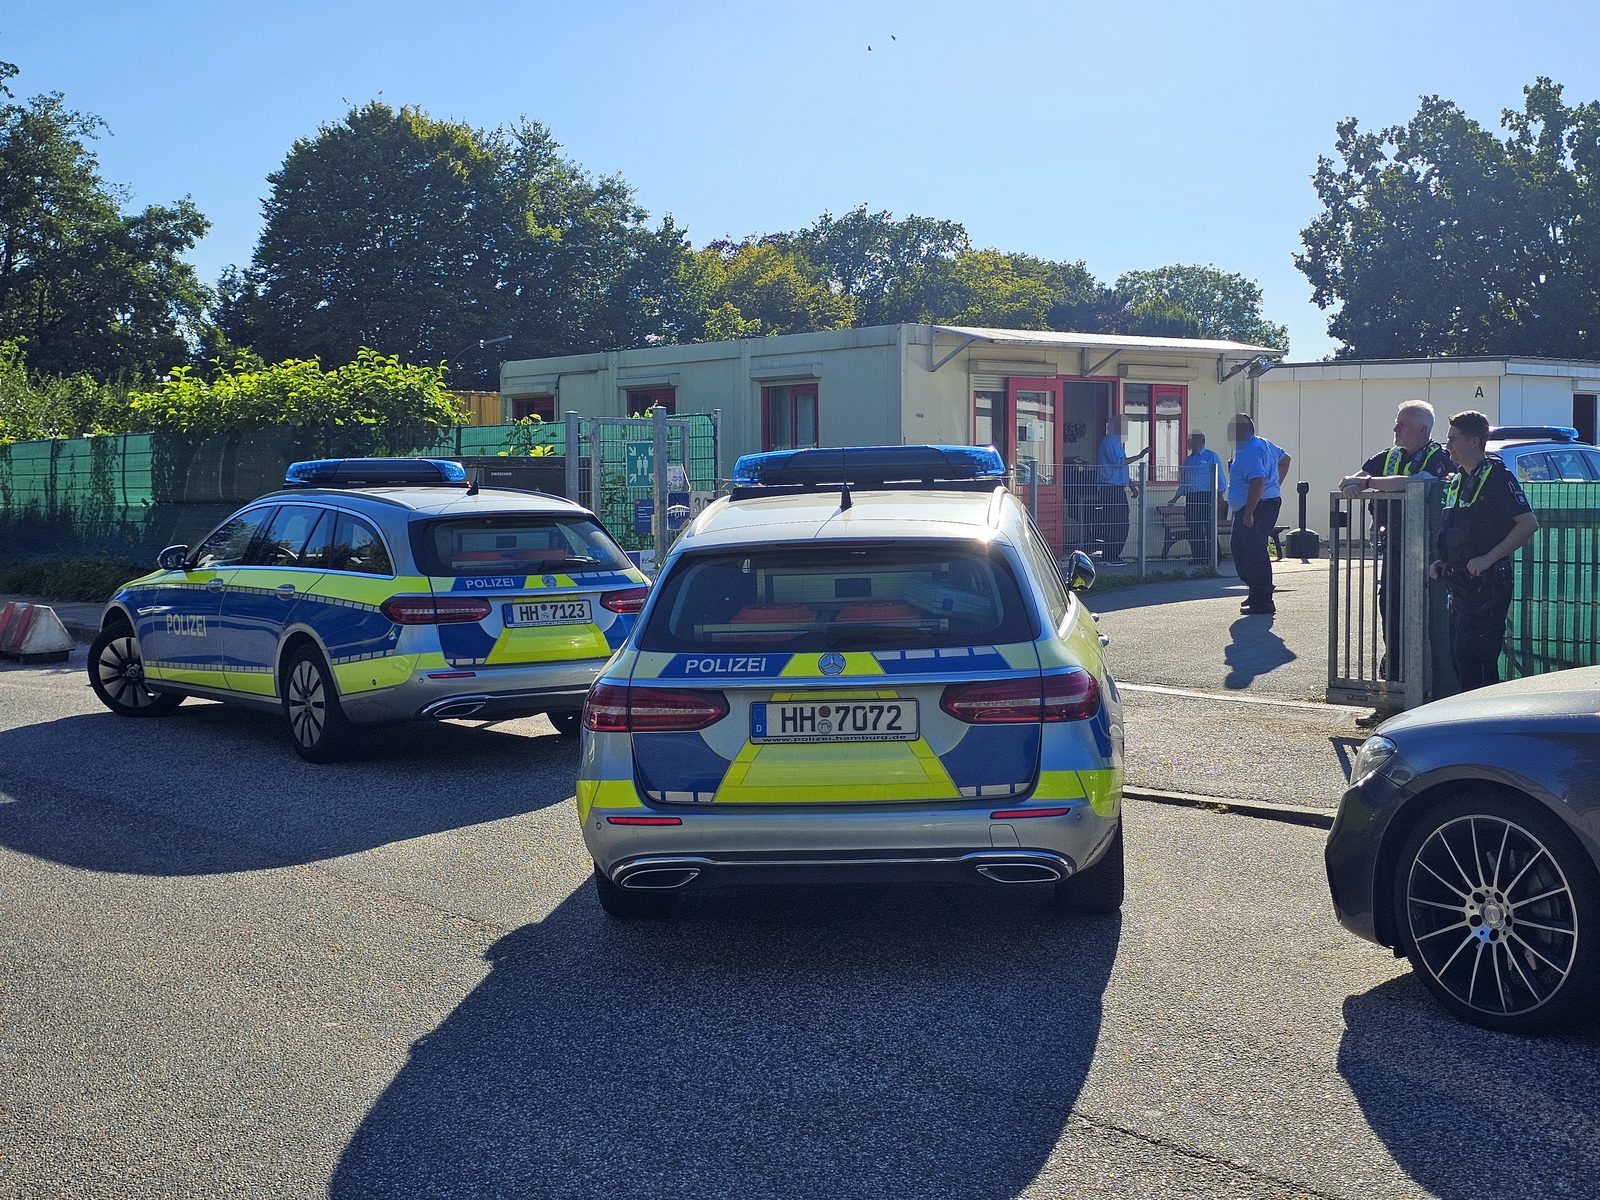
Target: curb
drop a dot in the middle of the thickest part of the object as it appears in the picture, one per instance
(1263, 809)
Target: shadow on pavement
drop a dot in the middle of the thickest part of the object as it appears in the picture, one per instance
(1470, 1114)
(853, 1042)
(213, 788)
(1254, 651)
(1345, 749)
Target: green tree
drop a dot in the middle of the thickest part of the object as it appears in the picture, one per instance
(892, 270)
(87, 288)
(1439, 237)
(376, 402)
(759, 287)
(1220, 305)
(419, 237)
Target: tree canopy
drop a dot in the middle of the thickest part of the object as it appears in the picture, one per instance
(1218, 304)
(85, 287)
(420, 237)
(1439, 237)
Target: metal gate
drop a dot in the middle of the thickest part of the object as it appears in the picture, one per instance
(644, 477)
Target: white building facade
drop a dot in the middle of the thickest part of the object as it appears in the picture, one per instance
(1043, 398)
(1332, 416)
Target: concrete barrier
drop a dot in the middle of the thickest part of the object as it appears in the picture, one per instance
(33, 633)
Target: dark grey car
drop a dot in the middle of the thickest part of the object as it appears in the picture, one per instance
(1469, 841)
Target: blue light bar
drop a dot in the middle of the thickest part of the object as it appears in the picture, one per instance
(865, 465)
(375, 472)
(1548, 433)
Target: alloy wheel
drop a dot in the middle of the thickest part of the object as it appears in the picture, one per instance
(1492, 915)
(120, 671)
(307, 703)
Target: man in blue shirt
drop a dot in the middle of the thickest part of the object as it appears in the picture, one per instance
(1198, 490)
(1115, 485)
(1254, 495)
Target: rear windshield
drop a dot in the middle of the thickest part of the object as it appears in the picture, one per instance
(514, 544)
(889, 596)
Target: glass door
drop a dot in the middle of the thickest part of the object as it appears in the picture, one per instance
(1033, 450)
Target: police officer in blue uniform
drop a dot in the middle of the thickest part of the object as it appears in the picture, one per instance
(1486, 519)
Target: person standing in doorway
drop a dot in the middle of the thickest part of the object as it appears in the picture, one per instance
(1487, 518)
(1198, 486)
(1414, 455)
(1254, 497)
(1115, 486)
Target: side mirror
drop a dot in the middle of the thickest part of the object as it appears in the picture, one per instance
(1080, 572)
(172, 558)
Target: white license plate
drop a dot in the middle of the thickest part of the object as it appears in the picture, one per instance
(835, 721)
(548, 612)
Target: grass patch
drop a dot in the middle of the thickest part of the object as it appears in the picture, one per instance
(92, 579)
(1107, 582)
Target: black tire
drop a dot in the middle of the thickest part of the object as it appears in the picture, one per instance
(631, 906)
(116, 675)
(568, 724)
(318, 729)
(1098, 889)
(1497, 906)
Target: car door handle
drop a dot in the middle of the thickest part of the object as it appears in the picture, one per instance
(214, 585)
(286, 591)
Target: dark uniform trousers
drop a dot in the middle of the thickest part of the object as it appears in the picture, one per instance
(1250, 557)
(1478, 610)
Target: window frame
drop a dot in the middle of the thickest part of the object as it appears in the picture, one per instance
(637, 402)
(768, 396)
(1158, 391)
(269, 511)
(523, 407)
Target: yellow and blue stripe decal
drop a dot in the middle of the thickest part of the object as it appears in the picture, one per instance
(582, 580)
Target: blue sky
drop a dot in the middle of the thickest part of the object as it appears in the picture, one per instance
(1129, 135)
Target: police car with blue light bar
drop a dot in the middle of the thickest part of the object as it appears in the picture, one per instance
(863, 665)
(374, 591)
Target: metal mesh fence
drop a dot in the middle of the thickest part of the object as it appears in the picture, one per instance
(132, 494)
(1555, 607)
(1135, 523)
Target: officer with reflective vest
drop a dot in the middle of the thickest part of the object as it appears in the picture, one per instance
(1486, 519)
(1413, 455)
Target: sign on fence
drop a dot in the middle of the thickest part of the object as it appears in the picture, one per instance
(641, 464)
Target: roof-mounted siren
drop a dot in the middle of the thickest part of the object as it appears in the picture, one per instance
(866, 466)
(1533, 433)
(375, 472)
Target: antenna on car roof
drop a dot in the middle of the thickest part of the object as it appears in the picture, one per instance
(844, 483)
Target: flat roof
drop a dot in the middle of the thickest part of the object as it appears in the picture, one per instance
(1105, 341)
(1444, 358)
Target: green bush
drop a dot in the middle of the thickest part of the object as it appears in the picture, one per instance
(69, 578)
(37, 407)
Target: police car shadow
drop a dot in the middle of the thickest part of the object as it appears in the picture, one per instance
(1255, 650)
(215, 789)
(849, 1042)
(1470, 1114)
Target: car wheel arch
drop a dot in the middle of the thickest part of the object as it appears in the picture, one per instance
(1411, 812)
(290, 645)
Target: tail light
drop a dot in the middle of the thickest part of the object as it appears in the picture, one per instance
(629, 600)
(619, 708)
(1071, 695)
(434, 610)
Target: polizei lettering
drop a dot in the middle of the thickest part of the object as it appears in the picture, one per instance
(186, 624)
(726, 664)
(493, 583)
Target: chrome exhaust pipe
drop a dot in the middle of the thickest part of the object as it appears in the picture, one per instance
(451, 709)
(658, 879)
(1020, 872)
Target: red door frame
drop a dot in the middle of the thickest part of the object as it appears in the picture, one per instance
(1050, 512)
(1157, 390)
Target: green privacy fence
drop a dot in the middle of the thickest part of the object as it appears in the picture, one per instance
(130, 495)
(1555, 610)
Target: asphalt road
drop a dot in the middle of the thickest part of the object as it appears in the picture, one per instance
(1227, 705)
(224, 973)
